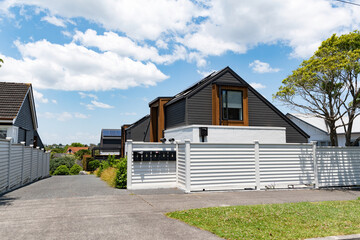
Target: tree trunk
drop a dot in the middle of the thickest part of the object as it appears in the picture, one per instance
(333, 134)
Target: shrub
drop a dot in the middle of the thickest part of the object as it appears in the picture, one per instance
(85, 162)
(75, 169)
(96, 172)
(109, 175)
(62, 170)
(68, 161)
(121, 174)
(93, 165)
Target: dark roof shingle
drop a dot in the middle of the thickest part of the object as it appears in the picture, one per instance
(11, 98)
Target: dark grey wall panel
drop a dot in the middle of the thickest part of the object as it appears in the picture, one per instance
(260, 114)
(175, 114)
(24, 121)
(199, 107)
(229, 79)
(139, 131)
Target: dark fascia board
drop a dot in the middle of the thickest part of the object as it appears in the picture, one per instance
(157, 99)
(289, 114)
(138, 122)
(198, 85)
(256, 93)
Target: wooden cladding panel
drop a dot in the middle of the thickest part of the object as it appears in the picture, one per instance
(216, 110)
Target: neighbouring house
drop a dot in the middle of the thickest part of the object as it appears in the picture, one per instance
(221, 107)
(318, 131)
(17, 114)
(73, 150)
(110, 144)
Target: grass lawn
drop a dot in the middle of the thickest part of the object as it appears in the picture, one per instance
(277, 221)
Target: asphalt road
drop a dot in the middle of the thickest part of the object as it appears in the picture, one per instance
(84, 207)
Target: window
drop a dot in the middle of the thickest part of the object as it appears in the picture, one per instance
(232, 105)
(3, 133)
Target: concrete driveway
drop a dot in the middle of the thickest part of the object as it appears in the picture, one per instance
(84, 207)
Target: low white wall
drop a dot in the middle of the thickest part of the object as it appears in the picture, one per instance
(151, 174)
(228, 134)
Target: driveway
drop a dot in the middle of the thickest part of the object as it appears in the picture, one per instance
(84, 207)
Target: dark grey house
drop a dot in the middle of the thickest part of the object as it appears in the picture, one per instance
(17, 114)
(222, 98)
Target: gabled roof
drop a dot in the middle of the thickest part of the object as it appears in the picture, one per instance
(111, 133)
(212, 78)
(12, 97)
(75, 149)
(138, 122)
(320, 124)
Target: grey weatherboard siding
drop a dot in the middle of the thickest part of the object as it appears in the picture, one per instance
(25, 123)
(198, 109)
(139, 131)
(175, 114)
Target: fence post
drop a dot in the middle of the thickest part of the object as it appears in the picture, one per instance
(22, 162)
(9, 162)
(187, 166)
(37, 161)
(31, 162)
(129, 163)
(42, 162)
(177, 161)
(316, 176)
(257, 163)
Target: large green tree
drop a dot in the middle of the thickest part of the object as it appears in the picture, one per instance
(326, 84)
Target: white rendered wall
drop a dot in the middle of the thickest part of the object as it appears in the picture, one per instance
(229, 134)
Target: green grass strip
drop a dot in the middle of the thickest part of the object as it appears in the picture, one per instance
(277, 221)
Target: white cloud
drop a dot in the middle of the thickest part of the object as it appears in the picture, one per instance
(257, 85)
(95, 104)
(80, 115)
(64, 116)
(205, 73)
(54, 20)
(40, 97)
(149, 19)
(129, 113)
(262, 67)
(161, 44)
(54, 101)
(90, 95)
(74, 67)
(241, 25)
(66, 33)
(125, 47)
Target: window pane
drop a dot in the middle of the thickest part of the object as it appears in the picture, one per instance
(234, 105)
(3, 134)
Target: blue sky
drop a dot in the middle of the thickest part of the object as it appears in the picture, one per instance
(97, 64)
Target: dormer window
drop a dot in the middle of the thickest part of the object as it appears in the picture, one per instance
(232, 105)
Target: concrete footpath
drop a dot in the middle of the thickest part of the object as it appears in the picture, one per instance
(84, 207)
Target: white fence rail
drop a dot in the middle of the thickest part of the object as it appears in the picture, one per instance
(216, 166)
(20, 165)
(151, 174)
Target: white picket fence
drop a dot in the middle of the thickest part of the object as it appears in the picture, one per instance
(215, 166)
(20, 165)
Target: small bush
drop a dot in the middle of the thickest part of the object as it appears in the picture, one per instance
(75, 169)
(93, 165)
(62, 170)
(85, 162)
(121, 174)
(68, 161)
(96, 172)
(109, 175)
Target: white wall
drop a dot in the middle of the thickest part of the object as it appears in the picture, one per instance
(314, 133)
(342, 140)
(228, 134)
(12, 131)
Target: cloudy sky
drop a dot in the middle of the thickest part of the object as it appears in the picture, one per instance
(97, 64)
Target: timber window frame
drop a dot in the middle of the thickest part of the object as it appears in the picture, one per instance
(217, 108)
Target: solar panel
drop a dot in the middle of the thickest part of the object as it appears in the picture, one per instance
(111, 133)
